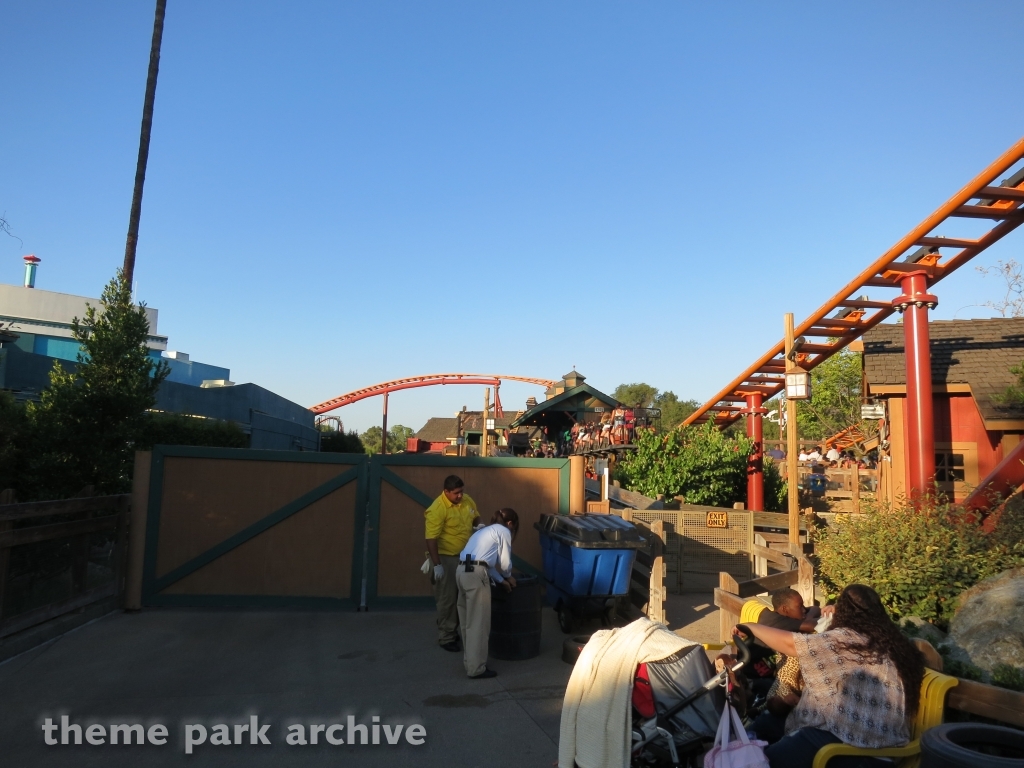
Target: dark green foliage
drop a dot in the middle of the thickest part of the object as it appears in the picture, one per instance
(776, 494)
(640, 395)
(919, 558)
(700, 463)
(1006, 676)
(178, 429)
(1014, 394)
(341, 442)
(397, 437)
(89, 423)
(13, 429)
(635, 395)
(835, 397)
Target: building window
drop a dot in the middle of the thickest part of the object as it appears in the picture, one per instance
(949, 467)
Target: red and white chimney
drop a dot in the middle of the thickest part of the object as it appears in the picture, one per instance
(31, 261)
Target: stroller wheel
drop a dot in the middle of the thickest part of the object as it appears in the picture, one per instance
(572, 647)
(564, 618)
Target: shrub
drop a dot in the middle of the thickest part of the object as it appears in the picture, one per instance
(178, 429)
(701, 463)
(341, 442)
(919, 558)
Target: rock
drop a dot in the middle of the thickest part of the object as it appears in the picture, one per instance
(988, 626)
(923, 629)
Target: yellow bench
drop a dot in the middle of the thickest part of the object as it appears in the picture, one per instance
(934, 688)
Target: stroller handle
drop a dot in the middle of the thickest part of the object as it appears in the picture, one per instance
(742, 647)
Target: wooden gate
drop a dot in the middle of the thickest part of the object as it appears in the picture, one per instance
(333, 530)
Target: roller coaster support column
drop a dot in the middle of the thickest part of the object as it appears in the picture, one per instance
(384, 429)
(914, 304)
(755, 465)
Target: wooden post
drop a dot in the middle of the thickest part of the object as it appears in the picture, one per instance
(124, 509)
(483, 425)
(726, 619)
(577, 485)
(792, 447)
(137, 531)
(656, 603)
(855, 489)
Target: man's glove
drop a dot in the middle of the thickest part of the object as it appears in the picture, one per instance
(438, 572)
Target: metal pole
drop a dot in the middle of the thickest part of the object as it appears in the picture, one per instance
(147, 128)
(792, 449)
(755, 465)
(483, 432)
(384, 429)
(915, 303)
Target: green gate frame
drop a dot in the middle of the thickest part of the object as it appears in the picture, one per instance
(368, 472)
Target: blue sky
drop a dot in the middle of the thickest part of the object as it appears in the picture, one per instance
(344, 193)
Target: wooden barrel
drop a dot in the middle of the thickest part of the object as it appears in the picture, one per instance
(515, 620)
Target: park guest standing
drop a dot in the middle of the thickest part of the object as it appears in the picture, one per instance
(486, 557)
(449, 523)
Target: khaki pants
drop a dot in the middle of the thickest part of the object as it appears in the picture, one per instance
(446, 594)
(474, 617)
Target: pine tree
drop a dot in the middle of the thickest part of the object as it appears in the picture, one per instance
(90, 420)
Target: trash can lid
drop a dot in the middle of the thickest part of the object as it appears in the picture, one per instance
(597, 531)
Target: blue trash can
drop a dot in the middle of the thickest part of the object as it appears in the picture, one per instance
(588, 560)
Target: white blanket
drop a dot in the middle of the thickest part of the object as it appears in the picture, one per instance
(595, 729)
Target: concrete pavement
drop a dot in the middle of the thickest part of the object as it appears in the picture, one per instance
(178, 667)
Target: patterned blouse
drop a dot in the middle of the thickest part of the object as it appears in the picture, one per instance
(860, 702)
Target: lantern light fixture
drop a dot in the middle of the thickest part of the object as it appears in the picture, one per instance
(798, 384)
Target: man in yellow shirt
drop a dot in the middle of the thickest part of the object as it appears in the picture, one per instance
(449, 524)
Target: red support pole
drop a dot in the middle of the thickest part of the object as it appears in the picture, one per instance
(755, 465)
(914, 304)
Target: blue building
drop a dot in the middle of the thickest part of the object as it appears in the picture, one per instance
(37, 332)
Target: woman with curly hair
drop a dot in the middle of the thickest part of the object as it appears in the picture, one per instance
(862, 683)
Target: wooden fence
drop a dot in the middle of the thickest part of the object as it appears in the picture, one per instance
(59, 556)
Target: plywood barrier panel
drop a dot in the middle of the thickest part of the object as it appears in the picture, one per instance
(401, 548)
(204, 501)
(531, 492)
(307, 555)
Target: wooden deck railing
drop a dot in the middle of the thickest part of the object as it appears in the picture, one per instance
(71, 524)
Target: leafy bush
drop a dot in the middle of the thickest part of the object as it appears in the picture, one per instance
(341, 442)
(13, 422)
(699, 463)
(919, 558)
(1006, 676)
(178, 429)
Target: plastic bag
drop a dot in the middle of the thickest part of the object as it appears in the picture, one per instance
(742, 753)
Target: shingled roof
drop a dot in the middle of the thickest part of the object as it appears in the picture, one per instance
(438, 430)
(978, 353)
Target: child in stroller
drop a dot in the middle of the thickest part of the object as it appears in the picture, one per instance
(677, 703)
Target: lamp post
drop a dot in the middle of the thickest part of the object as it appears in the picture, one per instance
(798, 387)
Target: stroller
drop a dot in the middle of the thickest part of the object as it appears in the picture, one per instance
(688, 698)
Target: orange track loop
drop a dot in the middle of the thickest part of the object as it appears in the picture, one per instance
(428, 380)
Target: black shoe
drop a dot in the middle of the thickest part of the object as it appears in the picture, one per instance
(485, 674)
(454, 646)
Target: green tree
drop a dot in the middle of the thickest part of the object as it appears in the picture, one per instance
(673, 410)
(338, 441)
(635, 395)
(835, 397)
(397, 436)
(89, 422)
(13, 428)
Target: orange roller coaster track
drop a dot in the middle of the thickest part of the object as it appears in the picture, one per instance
(429, 380)
(854, 314)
